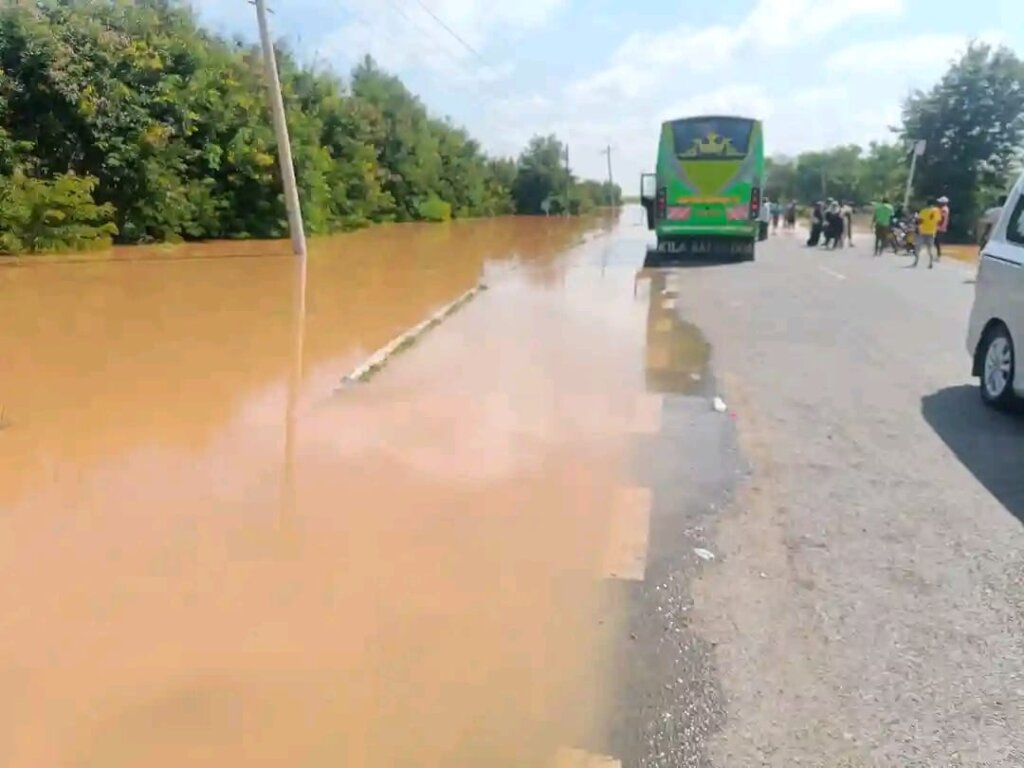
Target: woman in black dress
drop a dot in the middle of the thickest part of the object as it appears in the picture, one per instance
(817, 222)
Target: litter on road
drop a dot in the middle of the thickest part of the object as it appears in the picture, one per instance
(704, 554)
(719, 405)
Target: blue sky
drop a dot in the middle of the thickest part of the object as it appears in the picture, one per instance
(599, 72)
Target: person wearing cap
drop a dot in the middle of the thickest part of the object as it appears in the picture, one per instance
(927, 227)
(940, 234)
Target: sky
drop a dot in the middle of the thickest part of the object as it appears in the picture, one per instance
(602, 73)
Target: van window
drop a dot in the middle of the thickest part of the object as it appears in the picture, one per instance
(1015, 226)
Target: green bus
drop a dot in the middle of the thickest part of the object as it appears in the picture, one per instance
(705, 198)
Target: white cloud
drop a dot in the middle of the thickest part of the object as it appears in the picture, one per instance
(645, 63)
(916, 54)
(782, 23)
(737, 99)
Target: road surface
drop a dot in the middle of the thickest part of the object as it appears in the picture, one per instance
(866, 602)
(530, 539)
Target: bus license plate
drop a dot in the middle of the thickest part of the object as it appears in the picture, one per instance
(706, 247)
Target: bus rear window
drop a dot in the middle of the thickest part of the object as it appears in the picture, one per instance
(712, 137)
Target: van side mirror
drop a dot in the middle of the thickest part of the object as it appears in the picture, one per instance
(648, 187)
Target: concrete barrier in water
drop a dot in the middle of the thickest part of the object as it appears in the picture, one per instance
(365, 370)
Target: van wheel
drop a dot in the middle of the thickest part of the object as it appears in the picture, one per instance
(997, 367)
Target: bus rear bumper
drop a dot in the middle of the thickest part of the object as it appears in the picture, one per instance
(679, 248)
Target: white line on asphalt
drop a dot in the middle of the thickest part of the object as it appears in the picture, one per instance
(836, 275)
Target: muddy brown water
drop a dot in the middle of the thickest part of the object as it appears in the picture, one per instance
(211, 557)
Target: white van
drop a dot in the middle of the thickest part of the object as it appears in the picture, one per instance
(997, 319)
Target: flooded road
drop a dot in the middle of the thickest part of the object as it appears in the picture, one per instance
(213, 556)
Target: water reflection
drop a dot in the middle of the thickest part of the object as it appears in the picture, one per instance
(677, 353)
(434, 599)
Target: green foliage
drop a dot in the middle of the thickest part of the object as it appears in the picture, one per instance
(170, 126)
(845, 173)
(58, 215)
(541, 176)
(973, 123)
(435, 209)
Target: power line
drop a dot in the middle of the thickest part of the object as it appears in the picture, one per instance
(414, 25)
(449, 30)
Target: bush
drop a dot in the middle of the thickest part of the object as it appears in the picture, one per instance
(57, 215)
(435, 209)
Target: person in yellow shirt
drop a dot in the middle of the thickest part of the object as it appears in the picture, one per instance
(927, 226)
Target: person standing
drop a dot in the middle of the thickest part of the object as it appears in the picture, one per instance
(881, 219)
(940, 235)
(817, 221)
(833, 224)
(927, 228)
(791, 215)
(776, 210)
(764, 219)
(846, 211)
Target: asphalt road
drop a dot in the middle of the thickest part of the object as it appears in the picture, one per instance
(865, 603)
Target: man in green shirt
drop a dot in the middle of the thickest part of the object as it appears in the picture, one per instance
(882, 219)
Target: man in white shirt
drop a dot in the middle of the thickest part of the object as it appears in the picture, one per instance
(764, 218)
(846, 211)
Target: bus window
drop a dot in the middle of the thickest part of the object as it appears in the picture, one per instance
(712, 137)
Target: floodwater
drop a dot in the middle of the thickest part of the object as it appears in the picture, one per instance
(212, 555)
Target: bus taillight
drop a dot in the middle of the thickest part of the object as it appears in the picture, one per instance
(755, 203)
(662, 202)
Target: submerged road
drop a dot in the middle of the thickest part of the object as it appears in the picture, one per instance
(530, 539)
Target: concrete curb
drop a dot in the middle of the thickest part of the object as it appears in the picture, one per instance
(365, 370)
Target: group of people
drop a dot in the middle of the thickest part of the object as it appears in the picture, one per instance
(916, 231)
(925, 228)
(772, 212)
(832, 221)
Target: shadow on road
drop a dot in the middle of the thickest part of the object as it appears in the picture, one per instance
(989, 443)
(659, 261)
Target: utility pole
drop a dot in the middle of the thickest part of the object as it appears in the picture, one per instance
(284, 147)
(915, 153)
(607, 151)
(568, 180)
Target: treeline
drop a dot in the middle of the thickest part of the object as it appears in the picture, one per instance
(972, 121)
(130, 121)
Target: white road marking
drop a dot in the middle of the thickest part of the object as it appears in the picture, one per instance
(629, 530)
(836, 275)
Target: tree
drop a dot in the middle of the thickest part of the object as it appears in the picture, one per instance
(973, 123)
(135, 113)
(541, 176)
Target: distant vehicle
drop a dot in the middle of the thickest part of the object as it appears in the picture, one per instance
(705, 196)
(997, 317)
